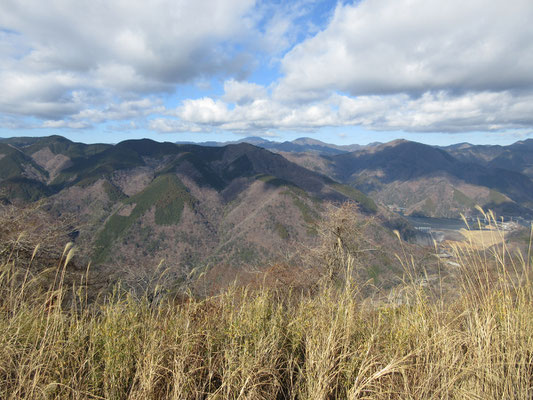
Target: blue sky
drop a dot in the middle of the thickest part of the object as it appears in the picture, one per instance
(342, 72)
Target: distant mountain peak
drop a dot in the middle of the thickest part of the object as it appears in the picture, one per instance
(525, 142)
(308, 140)
(254, 140)
(396, 142)
(300, 145)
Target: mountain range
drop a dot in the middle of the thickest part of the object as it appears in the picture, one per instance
(139, 202)
(241, 205)
(432, 181)
(515, 157)
(300, 145)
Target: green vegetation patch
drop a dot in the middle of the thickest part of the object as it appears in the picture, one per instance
(364, 201)
(274, 181)
(309, 215)
(282, 231)
(13, 161)
(241, 251)
(10, 164)
(113, 192)
(462, 199)
(166, 193)
(24, 189)
(429, 206)
(246, 254)
(374, 272)
(89, 181)
(496, 197)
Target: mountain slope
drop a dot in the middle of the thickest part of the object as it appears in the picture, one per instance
(21, 178)
(421, 179)
(140, 201)
(516, 157)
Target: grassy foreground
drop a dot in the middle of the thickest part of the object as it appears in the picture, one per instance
(269, 344)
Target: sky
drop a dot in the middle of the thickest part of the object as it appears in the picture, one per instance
(433, 71)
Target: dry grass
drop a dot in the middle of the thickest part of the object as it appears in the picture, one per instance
(262, 345)
(483, 239)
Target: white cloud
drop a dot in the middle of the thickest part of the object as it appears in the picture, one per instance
(65, 124)
(440, 111)
(270, 134)
(42, 95)
(162, 40)
(414, 65)
(115, 112)
(243, 92)
(119, 48)
(203, 111)
(127, 110)
(167, 125)
(247, 107)
(414, 46)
